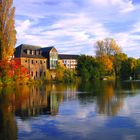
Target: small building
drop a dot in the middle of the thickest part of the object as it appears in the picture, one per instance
(69, 61)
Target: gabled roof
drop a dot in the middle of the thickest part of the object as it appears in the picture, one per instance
(21, 51)
(46, 51)
(67, 56)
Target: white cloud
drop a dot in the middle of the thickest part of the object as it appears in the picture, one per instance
(24, 126)
(76, 24)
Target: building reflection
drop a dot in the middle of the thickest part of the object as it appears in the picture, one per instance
(31, 101)
(28, 101)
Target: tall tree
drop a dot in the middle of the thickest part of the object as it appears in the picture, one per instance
(107, 47)
(106, 50)
(7, 29)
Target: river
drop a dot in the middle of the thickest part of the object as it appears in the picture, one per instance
(80, 111)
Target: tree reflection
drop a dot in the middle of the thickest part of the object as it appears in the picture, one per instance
(8, 127)
(108, 95)
(29, 101)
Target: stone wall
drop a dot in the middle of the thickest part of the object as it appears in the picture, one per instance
(37, 67)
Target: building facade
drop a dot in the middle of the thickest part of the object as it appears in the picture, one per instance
(52, 56)
(69, 61)
(36, 59)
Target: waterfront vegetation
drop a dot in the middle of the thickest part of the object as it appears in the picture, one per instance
(109, 63)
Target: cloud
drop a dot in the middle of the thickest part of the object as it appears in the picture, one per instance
(24, 126)
(77, 24)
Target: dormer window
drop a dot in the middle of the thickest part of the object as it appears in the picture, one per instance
(28, 51)
(40, 52)
(32, 52)
(36, 52)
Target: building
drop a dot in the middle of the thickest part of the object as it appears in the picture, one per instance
(52, 56)
(69, 61)
(36, 59)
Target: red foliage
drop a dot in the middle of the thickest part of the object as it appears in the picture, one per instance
(13, 68)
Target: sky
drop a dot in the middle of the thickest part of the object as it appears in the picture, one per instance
(74, 26)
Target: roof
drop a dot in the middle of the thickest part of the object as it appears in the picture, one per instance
(67, 56)
(46, 51)
(21, 51)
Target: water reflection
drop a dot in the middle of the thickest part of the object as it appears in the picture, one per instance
(26, 102)
(109, 95)
(8, 126)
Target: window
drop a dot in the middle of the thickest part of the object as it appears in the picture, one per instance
(28, 51)
(40, 73)
(37, 52)
(25, 60)
(40, 61)
(32, 73)
(32, 52)
(32, 61)
(36, 61)
(36, 73)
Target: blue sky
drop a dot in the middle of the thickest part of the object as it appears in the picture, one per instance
(73, 26)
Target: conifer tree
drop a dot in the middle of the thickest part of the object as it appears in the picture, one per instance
(7, 29)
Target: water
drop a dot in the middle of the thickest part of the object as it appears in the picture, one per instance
(86, 111)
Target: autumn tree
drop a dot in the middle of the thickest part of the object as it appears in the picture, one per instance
(7, 29)
(106, 50)
(107, 47)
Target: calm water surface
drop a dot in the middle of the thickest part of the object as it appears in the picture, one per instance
(86, 111)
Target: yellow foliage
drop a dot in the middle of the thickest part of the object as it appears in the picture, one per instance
(7, 29)
(106, 62)
(48, 75)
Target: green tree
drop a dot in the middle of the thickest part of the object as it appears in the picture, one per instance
(128, 68)
(88, 67)
(117, 62)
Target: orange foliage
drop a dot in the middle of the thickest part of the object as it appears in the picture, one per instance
(106, 62)
(13, 69)
(7, 29)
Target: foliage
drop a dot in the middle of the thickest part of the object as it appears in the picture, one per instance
(7, 29)
(88, 68)
(69, 76)
(108, 52)
(59, 73)
(128, 68)
(48, 75)
(63, 74)
(107, 47)
(117, 62)
(12, 71)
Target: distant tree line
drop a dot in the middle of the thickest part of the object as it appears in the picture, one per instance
(109, 62)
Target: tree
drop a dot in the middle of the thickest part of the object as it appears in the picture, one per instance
(7, 29)
(106, 50)
(107, 47)
(129, 68)
(117, 62)
(88, 67)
